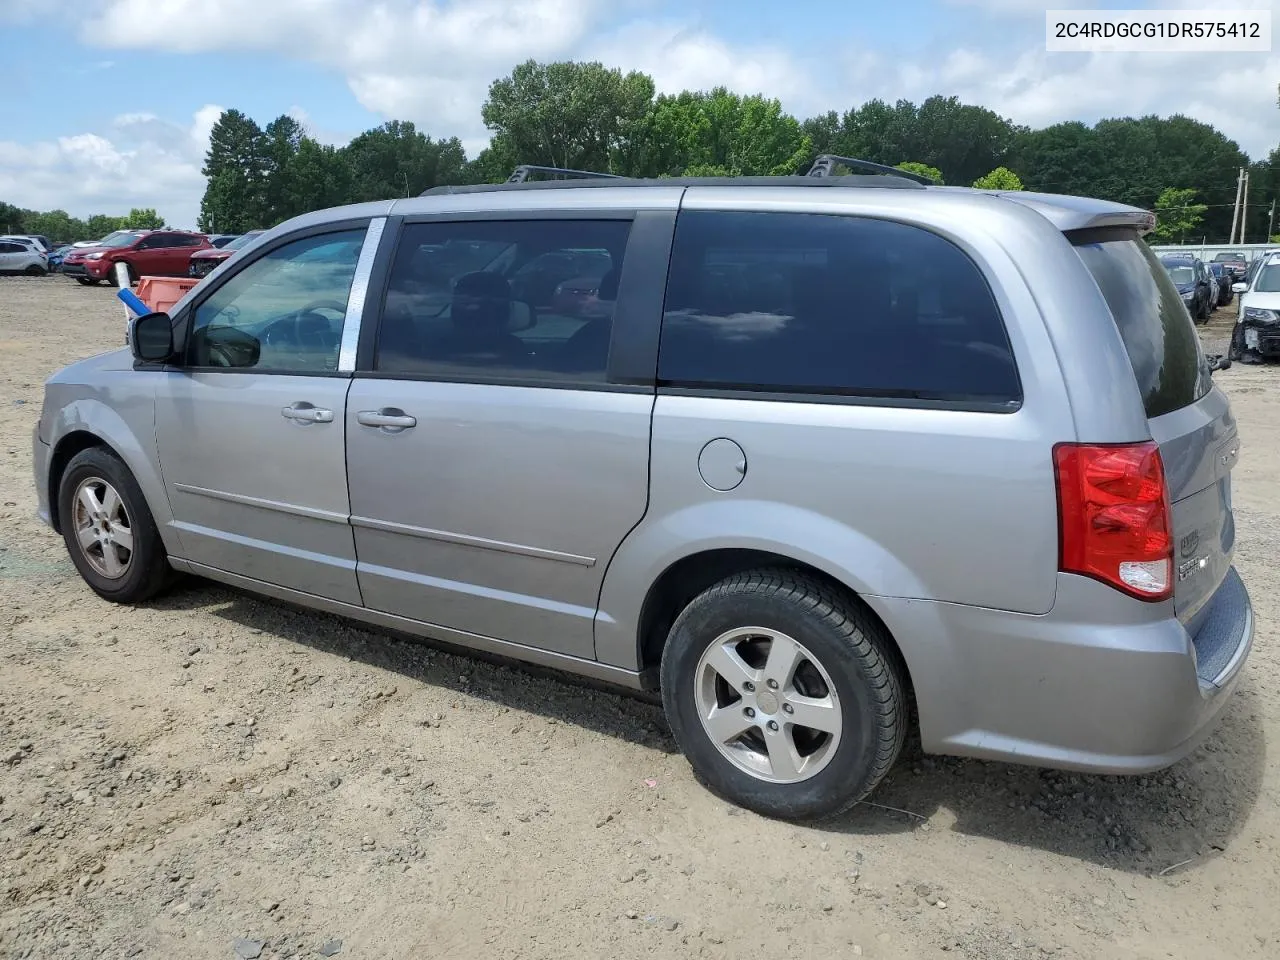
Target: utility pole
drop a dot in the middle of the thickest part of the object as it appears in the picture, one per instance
(1271, 220)
(1244, 206)
(1235, 211)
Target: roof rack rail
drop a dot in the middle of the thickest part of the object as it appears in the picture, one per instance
(826, 164)
(522, 172)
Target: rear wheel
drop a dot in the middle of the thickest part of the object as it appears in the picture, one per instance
(784, 695)
(108, 529)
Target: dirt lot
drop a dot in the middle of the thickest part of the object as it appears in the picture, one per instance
(214, 771)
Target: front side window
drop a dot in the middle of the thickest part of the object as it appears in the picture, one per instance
(503, 300)
(813, 303)
(284, 312)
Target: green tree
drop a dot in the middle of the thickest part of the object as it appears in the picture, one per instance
(12, 219)
(316, 176)
(961, 140)
(277, 147)
(1001, 178)
(921, 169)
(719, 134)
(398, 160)
(234, 166)
(142, 219)
(571, 115)
(99, 225)
(1176, 214)
(54, 224)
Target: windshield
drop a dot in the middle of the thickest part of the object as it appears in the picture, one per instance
(1158, 333)
(120, 240)
(1268, 279)
(1182, 275)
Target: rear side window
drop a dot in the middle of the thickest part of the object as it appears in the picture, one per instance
(1157, 330)
(820, 304)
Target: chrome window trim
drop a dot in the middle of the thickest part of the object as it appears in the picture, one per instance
(359, 292)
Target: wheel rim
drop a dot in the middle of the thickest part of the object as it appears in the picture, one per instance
(103, 529)
(768, 705)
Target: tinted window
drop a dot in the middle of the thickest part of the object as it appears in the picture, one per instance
(511, 300)
(8, 247)
(1158, 333)
(284, 312)
(1182, 274)
(180, 240)
(827, 304)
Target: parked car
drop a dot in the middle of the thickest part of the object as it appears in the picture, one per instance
(41, 243)
(1256, 336)
(1192, 279)
(1234, 261)
(994, 497)
(204, 261)
(220, 240)
(57, 254)
(1225, 280)
(19, 257)
(148, 253)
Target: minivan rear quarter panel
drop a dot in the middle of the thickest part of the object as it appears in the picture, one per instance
(935, 503)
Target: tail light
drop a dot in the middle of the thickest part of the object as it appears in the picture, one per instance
(1114, 518)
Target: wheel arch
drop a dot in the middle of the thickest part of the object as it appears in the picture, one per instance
(88, 422)
(689, 576)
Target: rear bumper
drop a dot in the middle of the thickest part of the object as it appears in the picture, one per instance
(1101, 684)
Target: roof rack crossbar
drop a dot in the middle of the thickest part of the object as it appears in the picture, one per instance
(522, 172)
(826, 164)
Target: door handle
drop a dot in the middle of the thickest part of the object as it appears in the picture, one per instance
(303, 412)
(390, 419)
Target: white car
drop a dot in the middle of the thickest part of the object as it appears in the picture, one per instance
(17, 256)
(38, 242)
(1257, 332)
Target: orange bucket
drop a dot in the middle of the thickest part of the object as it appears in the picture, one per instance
(161, 293)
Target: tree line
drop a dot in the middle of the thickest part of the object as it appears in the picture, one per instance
(60, 226)
(586, 116)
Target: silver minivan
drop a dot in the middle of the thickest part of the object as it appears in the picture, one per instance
(821, 458)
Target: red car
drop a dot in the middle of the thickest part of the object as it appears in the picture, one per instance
(149, 253)
(203, 262)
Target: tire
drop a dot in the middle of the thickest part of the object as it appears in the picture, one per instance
(144, 570)
(35, 271)
(844, 662)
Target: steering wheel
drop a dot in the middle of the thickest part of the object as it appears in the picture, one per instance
(292, 329)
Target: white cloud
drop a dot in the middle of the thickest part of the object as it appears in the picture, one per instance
(683, 57)
(431, 61)
(140, 161)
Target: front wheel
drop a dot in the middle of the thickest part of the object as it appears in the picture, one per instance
(35, 271)
(108, 529)
(784, 695)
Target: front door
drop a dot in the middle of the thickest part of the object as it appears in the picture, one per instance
(250, 431)
(493, 468)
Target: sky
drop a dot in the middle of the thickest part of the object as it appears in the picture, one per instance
(108, 103)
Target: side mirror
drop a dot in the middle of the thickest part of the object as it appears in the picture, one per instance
(151, 337)
(1239, 288)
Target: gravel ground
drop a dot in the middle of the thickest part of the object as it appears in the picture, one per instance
(214, 775)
